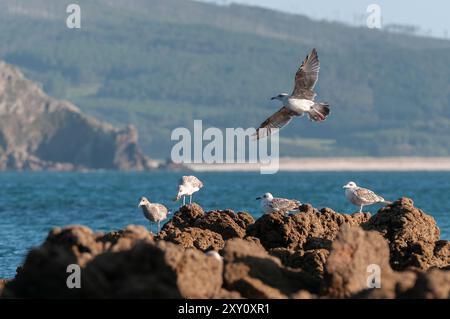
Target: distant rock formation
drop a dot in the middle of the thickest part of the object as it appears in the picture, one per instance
(310, 254)
(38, 132)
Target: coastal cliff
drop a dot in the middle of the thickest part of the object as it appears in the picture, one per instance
(38, 132)
(309, 254)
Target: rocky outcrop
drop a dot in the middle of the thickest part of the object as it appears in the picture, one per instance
(354, 255)
(38, 132)
(249, 269)
(310, 254)
(412, 234)
(192, 227)
(306, 230)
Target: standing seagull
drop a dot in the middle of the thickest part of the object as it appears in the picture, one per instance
(301, 100)
(187, 186)
(154, 212)
(269, 204)
(362, 196)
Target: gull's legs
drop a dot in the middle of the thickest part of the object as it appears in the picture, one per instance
(159, 226)
(190, 199)
(184, 200)
(361, 208)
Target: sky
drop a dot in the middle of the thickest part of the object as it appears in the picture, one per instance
(432, 16)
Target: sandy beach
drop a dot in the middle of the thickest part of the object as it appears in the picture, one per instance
(340, 164)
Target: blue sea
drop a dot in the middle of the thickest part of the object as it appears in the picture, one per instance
(32, 203)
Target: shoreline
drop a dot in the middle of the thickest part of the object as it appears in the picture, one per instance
(313, 164)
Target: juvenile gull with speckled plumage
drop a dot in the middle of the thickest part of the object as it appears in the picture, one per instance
(154, 212)
(301, 100)
(362, 196)
(269, 204)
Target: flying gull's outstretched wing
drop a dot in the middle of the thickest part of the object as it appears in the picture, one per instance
(307, 76)
(277, 120)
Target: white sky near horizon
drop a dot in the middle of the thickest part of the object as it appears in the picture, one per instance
(432, 16)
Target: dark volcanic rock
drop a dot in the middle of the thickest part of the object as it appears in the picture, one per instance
(148, 270)
(120, 264)
(353, 251)
(226, 223)
(312, 254)
(189, 237)
(192, 227)
(308, 229)
(412, 234)
(252, 272)
(125, 239)
(433, 284)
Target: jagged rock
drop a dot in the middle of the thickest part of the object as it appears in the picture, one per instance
(433, 284)
(412, 234)
(126, 238)
(352, 252)
(189, 237)
(192, 227)
(38, 132)
(393, 285)
(308, 229)
(310, 261)
(226, 223)
(252, 272)
(78, 240)
(153, 270)
(312, 254)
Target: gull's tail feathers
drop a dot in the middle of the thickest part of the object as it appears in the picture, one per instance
(319, 112)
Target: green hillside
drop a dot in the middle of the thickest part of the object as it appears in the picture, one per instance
(161, 64)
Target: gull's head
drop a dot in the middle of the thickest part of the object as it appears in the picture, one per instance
(180, 192)
(266, 196)
(280, 97)
(350, 185)
(143, 201)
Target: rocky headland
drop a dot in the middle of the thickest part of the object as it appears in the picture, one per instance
(310, 254)
(38, 132)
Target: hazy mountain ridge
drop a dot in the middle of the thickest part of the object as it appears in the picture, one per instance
(161, 64)
(38, 132)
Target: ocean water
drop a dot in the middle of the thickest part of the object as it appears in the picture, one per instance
(32, 203)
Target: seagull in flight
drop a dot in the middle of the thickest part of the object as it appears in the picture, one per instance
(362, 196)
(301, 100)
(269, 204)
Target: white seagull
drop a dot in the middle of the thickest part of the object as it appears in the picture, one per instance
(269, 204)
(187, 186)
(362, 196)
(154, 212)
(301, 100)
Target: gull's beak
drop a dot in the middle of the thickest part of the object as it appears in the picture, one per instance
(258, 198)
(139, 205)
(345, 186)
(273, 98)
